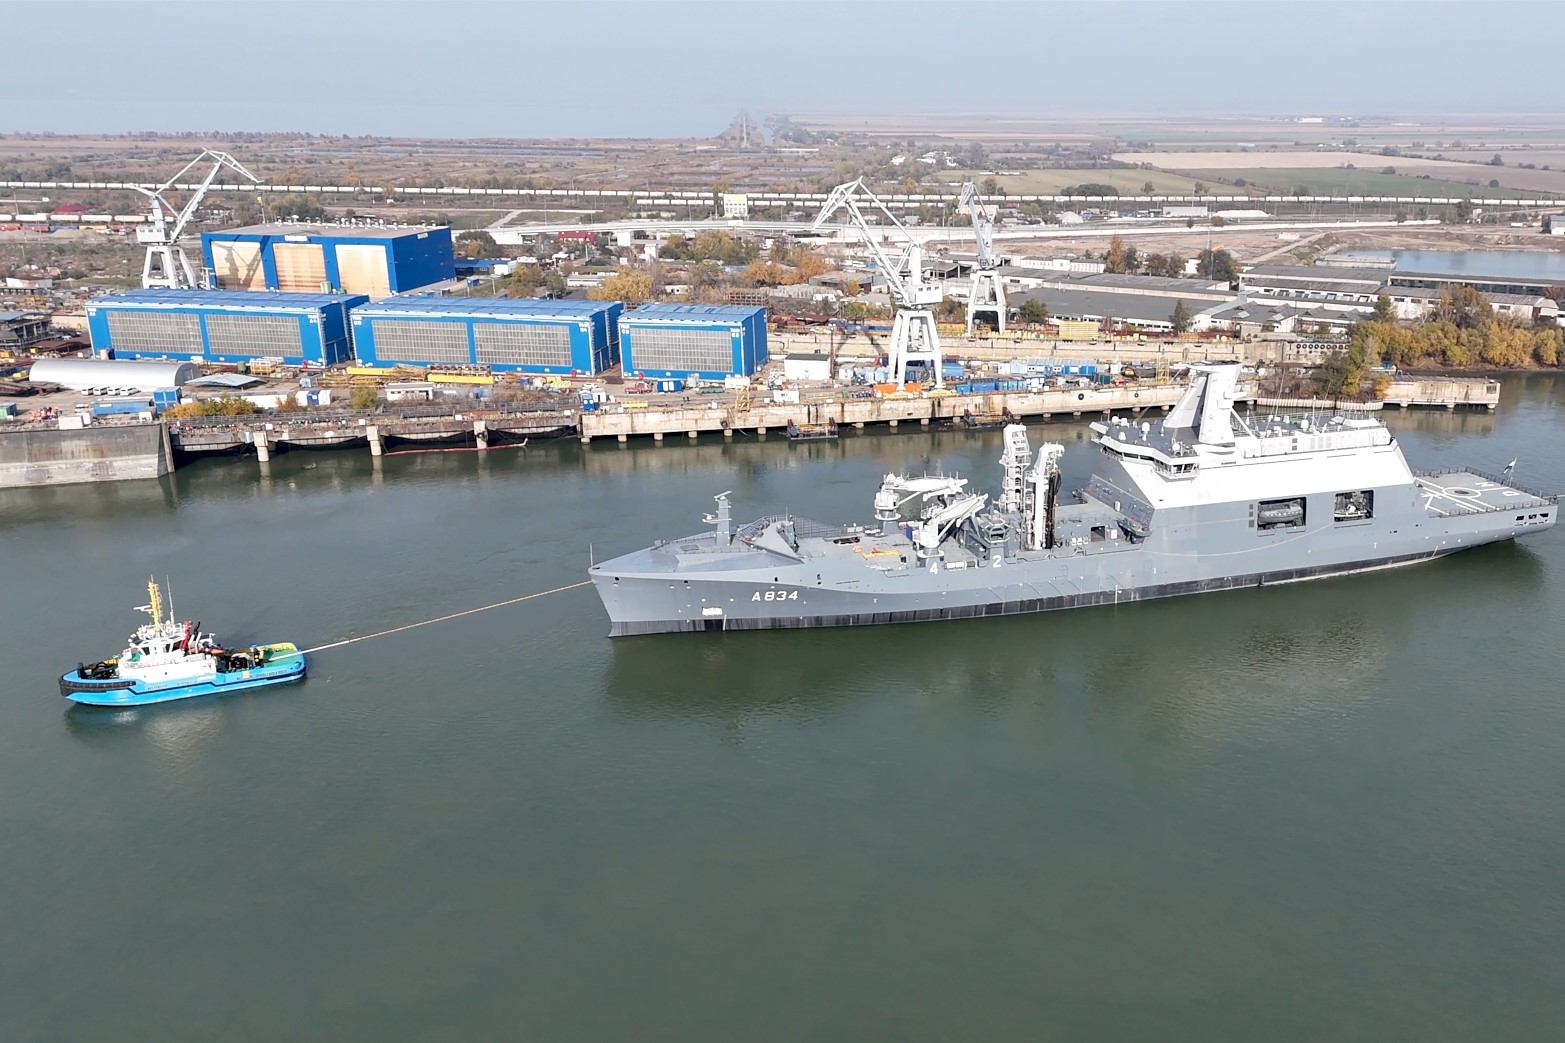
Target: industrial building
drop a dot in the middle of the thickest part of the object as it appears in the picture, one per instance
(19, 328)
(521, 335)
(81, 374)
(223, 325)
(371, 260)
(707, 342)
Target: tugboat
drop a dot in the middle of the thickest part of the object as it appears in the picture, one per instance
(165, 660)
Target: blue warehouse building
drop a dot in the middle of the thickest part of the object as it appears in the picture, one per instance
(508, 334)
(374, 261)
(223, 325)
(706, 342)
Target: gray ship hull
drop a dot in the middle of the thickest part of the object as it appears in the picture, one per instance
(642, 598)
(1211, 502)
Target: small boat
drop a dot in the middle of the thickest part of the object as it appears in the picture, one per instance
(166, 660)
(811, 432)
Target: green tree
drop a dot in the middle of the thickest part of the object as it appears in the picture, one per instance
(1148, 188)
(1091, 188)
(1216, 264)
(1383, 311)
(1181, 318)
(1033, 311)
(364, 397)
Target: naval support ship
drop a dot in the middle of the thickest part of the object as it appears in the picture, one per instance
(1206, 500)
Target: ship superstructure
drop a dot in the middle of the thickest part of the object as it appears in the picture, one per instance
(1204, 500)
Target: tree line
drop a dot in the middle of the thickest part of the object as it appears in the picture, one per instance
(1461, 330)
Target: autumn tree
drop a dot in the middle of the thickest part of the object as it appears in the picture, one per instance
(632, 287)
(1464, 307)
(1114, 259)
(474, 244)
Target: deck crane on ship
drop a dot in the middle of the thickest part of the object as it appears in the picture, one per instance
(166, 264)
(987, 293)
(914, 340)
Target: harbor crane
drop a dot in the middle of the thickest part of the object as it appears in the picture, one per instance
(913, 337)
(166, 263)
(987, 293)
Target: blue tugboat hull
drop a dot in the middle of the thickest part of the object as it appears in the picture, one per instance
(122, 692)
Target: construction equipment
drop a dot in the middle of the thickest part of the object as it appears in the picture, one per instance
(166, 263)
(987, 294)
(913, 335)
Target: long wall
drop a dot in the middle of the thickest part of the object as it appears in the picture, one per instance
(92, 454)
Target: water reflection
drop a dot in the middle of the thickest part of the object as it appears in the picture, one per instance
(1188, 670)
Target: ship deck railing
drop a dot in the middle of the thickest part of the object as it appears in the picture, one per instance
(1497, 479)
(1448, 501)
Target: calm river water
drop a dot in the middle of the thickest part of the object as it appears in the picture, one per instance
(1332, 811)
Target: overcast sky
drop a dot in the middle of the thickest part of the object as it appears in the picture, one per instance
(678, 69)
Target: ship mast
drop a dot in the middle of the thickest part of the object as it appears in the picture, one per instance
(155, 597)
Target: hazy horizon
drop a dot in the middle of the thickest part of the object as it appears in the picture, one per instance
(659, 70)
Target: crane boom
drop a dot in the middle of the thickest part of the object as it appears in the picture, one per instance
(913, 336)
(166, 263)
(986, 294)
(983, 225)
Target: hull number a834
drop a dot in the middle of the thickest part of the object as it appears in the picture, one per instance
(775, 595)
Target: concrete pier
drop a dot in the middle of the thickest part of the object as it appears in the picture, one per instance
(100, 453)
(263, 448)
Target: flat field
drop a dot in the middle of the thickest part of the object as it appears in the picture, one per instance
(1051, 182)
(1249, 163)
(1333, 181)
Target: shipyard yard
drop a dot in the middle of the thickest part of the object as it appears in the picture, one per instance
(745, 526)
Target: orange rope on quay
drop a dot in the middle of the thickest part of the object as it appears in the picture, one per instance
(442, 619)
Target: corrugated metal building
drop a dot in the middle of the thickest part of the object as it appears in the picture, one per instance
(521, 335)
(373, 261)
(223, 325)
(708, 342)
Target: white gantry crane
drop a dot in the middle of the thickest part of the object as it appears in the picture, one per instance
(913, 336)
(166, 263)
(988, 292)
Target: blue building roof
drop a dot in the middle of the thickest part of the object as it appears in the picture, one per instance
(536, 307)
(227, 298)
(710, 313)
